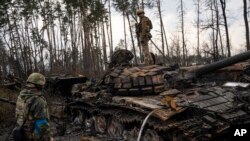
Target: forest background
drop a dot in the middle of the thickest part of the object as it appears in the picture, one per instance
(79, 36)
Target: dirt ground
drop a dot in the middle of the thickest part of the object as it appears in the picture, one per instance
(7, 113)
(7, 120)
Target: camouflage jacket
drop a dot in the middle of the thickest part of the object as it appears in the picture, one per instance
(32, 113)
(145, 26)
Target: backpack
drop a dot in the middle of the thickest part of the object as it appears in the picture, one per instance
(18, 132)
(150, 24)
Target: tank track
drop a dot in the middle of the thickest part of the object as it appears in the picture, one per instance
(208, 115)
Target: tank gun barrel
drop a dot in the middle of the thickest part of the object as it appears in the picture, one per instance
(7, 101)
(221, 64)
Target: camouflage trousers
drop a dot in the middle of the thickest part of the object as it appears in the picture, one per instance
(148, 60)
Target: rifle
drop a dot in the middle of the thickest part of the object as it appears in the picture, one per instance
(156, 47)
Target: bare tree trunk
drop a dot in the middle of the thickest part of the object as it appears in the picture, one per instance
(94, 54)
(198, 30)
(162, 34)
(39, 48)
(74, 46)
(104, 45)
(131, 34)
(142, 4)
(50, 50)
(98, 48)
(22, 45)
(213, 30)
(223, 7)
(246, 24)
(217, 28)
(165, 36)
(109, 40)
(54, 43)
(47, 24)
(82, 44)
(35, 45)
(61, 41)
(28, 46)
(221, 44)
(183, 34)
(21, 72)
(110, 27)
(124, 26)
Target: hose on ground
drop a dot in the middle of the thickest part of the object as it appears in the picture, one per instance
(144, 123)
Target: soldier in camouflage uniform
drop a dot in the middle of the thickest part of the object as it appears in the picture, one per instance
(32, 111)
(143, 29)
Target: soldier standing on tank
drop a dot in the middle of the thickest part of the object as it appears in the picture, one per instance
(32, 111)
(143, 32)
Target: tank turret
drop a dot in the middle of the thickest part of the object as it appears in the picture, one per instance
(153, 79)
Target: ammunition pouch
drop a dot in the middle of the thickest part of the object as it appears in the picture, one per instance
(149, 36)
(143, 41)
(18, 134)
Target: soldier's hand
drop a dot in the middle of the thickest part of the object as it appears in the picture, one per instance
(52, 139)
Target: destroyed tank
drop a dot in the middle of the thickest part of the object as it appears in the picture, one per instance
(160, 103)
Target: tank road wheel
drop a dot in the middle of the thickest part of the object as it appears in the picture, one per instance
(100, 124)
(75, 121)
(133, 134)
(151, 135)
(115, 129)
(79, 118)
(89, 124)
(177, 136)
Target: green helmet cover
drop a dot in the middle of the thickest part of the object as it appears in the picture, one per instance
(36, 78)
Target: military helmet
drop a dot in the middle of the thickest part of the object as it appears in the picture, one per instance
(139, 11)
(36, 78)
